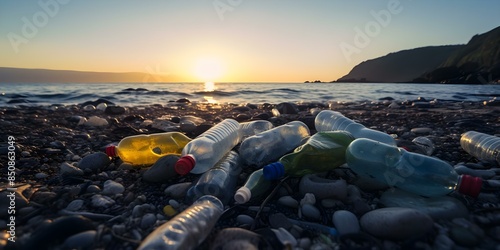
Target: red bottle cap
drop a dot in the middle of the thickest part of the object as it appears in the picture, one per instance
(470, 185)
(111, 151)
(185, 164)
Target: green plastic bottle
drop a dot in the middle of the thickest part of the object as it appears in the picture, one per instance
(255, 186)
(322, 152)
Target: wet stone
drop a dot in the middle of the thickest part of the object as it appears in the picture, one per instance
(83, 240)
(148, 220)
(244, 219)
(94, 161)
(178, 190)
(345, 222)
(279, 220)
(114, 110)
(100, 201)
(288, 201)
(112, 188)
(311, 212)
(162, 170)
(75, 205)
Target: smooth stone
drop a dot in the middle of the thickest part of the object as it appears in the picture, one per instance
(101, 106)
(148, 220)
(484, 174)
(75, 205)
(175, 204)
(345, 222)
(95, 121)
(177, 191)
(323, 188)
(83, 240)
(288, 201)
(227, 237)
(112, 188)
(114, 110)
(304, 243)
(331, 203)
(162, 170)
(421, 130)
(41, 175)
(463, 237)
(444, 207)
(43, 197)
(287, 108)
(353, 194)
(92, 189)
(369, 184)
(244, 219)
(164, 125)
(311, 212)
(279, 220)
(308, 199)
(285, 237)
(88, 108)
(100, 201)
(442, 241)
(94, 161)
(396, 223)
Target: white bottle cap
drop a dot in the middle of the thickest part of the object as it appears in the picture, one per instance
(242, 195)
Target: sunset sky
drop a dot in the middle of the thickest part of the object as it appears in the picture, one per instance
(230, 40)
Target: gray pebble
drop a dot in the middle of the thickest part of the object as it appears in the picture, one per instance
(345, 222)
(119, 229)
(288, 201)
(75, 205)
(148, 220)
(41, 175)
(244, 219)
(93, 189)
(94, 161)
(100, 201)
(175, 204)
(311, 212)
(393, 223)
(323, 188)
(69, 170)
(114, 110)
(162, 170)
(112, 188)
(178, 190)
(83, 240)
(309, 198)
(421, 131)
(89, 108)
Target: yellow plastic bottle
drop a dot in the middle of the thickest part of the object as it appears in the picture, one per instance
(141, 150)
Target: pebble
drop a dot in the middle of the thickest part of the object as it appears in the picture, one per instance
(421, 131)
(444, 207)
(43, 197)
(69, 170)
(177, 191)
(396, 223)
(237, 238)
(114, 110)
(484, 174)
(148, 220)
(175, 204)
(101, 106)
(83, 240)
(100, 201)
(88, 108)
(425, 144)
(287, 108)
(331, 203)
(91, 189)
(288, 201)
(162, 170)
(112, 188)
(311, 212)
(323, 188)
(442, 241)
(279, 220)
(464, 237)
(164, 125)
(345, 222)
(41, 175)
(189, 123)
(169, 211)
(94, 161)
(285, 237)
(75, 205)
(309, 198)
(244, 219)
(95, 121)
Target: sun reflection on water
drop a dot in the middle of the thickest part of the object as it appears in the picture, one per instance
(209, 87)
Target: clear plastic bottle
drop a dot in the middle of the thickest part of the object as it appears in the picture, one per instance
(147, 149)
(188, 229)
(254, 127)
(270, 145)
(255, 186)
(482, 146)
(329, 120)
(200, 154)
(219, 181)
(416, 173)
(322, 152)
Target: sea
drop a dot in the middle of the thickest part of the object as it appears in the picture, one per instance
(143, 94)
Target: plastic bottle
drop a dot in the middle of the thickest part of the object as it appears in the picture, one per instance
(415, 173)
(188, 229)
(255, 186)
(200, 154)
(268, 146)
(328, 120)
(219, 181)
(147, 149)
(322, 152)
(482, 146)
(254, 127)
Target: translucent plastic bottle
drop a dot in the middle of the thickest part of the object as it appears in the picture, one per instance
(255, 186)
(268, 146)
(482, 146)
(415, 173)
(254, 127)
(204, 151)
(219, 181)
(322, 152)
(188, 229)
(328, 120)
(147, 149)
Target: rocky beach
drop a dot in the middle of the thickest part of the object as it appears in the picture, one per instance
(68, 194)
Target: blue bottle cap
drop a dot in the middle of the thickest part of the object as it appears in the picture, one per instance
(274, 171)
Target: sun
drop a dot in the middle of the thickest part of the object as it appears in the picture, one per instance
(208, 69)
